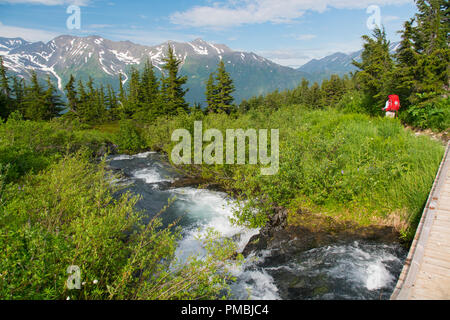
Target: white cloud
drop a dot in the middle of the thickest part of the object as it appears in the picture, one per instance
(234, 13)
(49, 2)
(26, 33)
(305, 36)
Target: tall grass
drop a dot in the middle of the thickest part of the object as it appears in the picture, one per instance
(347, 165)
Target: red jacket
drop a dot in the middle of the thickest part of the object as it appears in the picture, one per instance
(394, 103)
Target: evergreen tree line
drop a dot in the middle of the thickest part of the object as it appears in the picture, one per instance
(219, 89)
(418, 72)
(144, 99)
(328, 93)
(34, 102)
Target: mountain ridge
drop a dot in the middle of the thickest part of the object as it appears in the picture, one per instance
(104, 59)
(337, 63)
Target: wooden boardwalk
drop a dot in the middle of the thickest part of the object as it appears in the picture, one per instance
(426, 273)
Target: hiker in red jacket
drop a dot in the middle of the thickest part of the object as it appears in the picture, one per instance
(392, 106)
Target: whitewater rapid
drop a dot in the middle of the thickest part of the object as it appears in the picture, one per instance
(354, 270)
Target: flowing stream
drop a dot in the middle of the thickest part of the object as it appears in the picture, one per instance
(354, 270)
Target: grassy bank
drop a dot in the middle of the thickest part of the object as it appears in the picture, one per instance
(347, 166)
(29, 146)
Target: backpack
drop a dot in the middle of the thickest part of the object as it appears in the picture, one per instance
(394, 102)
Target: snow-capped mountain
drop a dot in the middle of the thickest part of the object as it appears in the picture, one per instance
(337, 63)
(7, 44)
(104, 60)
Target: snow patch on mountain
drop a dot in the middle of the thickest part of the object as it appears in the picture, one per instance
(125, 57)
(199, 49)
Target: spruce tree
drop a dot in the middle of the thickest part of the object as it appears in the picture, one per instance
(101, 107)
(112, 104)
(95, 110)
(313, 97)
(71, 95)
(376, 75)
(90, 107)
(18, 89)
(304, 91)
(223, 90)
(34, 103)
(406, 58)
(122, 100)
(5, 108)
(52, 101)
(82, 101)
(4, 83)
(332, 90)
(134, 101)
(172, 91)
(211, 92)
(150, 92)
(430, 41)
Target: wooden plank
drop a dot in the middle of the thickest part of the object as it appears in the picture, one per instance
(444, 210)
(444, 223)
(440, 225)
(427, 279)
(439, 236)
(421, 294)
(435, 269)
(442, 216)
(438, 246)
(444, 201)
(443, 229)
(433, 282)
(436, 258)
(424, 293)
(441, 251)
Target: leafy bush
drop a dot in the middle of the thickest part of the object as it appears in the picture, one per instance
(129, 137)
(430, 115)
(351, 102)
(3, 175)
(31, 146)
(67, 215)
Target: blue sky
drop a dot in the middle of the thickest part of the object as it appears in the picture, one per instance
(289, 32)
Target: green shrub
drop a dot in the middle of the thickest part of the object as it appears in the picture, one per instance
(29, 146)
(433, 115)
(67, 215)
(351, 102)
(129, 137)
